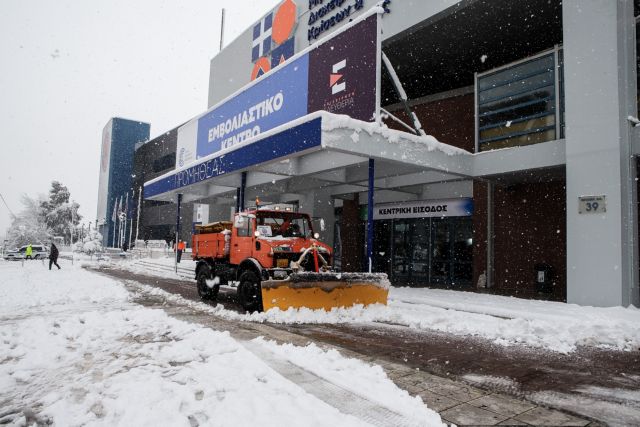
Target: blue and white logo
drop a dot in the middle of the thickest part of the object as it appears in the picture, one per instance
(181, 157)
(262, 37)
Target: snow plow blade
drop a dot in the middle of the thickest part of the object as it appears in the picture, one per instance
(325, 290)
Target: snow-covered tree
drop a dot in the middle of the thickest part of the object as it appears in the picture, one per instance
(59, 214)
(29, 225)
(91, 243)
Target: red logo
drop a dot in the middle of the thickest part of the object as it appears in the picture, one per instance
(334, 78)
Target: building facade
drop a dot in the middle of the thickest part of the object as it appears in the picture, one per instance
(151, 159)
(531, 190)
(119, 138)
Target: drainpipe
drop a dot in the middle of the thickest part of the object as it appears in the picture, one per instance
(243, 188)
(370, 215)
(490, 232)
(175, 241)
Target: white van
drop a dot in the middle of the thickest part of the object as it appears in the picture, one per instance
(37, 252)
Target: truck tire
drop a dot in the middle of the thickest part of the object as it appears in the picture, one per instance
(249, 293)
(204, 291)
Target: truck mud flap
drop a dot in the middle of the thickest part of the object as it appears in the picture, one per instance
(325, 290)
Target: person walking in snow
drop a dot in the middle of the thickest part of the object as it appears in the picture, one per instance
(28, 253)
(179, 247)
(53, 256)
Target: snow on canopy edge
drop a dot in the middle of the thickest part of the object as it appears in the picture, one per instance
(332, 121)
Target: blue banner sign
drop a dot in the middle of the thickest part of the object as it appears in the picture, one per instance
(338, 75)
(424, 209)
(277, 99)
(300, 138)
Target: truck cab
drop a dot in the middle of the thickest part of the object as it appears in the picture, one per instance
(257, 245)
(273, 238)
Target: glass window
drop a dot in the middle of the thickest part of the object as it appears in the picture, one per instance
(284, 224)
(243, 225)
(638, 63)
(517, 104)
(560, 69)
(164, 163)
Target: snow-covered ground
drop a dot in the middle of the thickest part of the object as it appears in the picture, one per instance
(75, 350)
(554, 326)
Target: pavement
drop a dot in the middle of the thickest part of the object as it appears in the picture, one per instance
(468, 381)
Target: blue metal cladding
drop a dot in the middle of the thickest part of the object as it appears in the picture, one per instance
(290, 141)
(124, 136)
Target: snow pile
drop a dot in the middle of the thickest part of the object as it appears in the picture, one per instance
(76, 351)
(160, 267)
(506, 321)
(351, 374)
(34, 288)
(553, 326)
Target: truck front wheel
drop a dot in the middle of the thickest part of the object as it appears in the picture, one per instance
(249, 292)
(205, 291)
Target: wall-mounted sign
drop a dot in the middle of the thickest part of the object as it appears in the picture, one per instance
(305, 136)
(325, 15)
(338, 75)
(592, 204)
(424, 209)
(277, 99)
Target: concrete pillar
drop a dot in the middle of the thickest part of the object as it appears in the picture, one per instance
(600, 93)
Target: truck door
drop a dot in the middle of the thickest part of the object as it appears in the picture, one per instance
(241, 239)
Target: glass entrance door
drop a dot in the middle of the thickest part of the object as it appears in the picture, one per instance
(401, 251)
(441, 250)
(462, 261)
(426, 251)
(411, 251)
(420, 251)
(382, 247)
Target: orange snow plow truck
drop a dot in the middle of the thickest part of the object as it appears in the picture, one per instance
(273, 259)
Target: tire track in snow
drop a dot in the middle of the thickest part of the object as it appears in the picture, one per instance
(338, 397)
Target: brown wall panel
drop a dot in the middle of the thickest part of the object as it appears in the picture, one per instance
(479, 233)
(449, 120)
(530, 228)
(352, 236)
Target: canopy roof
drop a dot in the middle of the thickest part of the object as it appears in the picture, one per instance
(326, 151)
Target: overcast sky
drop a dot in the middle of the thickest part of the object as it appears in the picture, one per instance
(68, 66)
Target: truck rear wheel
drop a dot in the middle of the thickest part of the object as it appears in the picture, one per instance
(249, 292)
(205, 291)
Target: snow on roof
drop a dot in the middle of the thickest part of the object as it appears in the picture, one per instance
(335, 121)
(331, 122)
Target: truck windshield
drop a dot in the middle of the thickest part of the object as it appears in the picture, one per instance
(285, 224)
